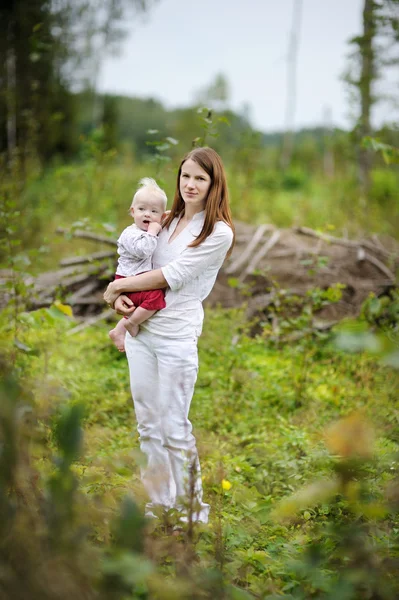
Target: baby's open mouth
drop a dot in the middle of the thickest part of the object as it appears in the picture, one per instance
(146, 221)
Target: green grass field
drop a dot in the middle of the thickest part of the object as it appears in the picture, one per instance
(298, 440)
(260, 415)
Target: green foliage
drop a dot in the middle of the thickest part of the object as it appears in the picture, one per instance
(290, 317)
(160, 147)
(259, 413)
(260, 408)
(377, 330)
(209, 124)
(389, 153)
(294, 179)
(384, 187)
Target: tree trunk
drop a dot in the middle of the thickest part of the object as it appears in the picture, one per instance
(288, 140)
(367, 76)
(10, 95)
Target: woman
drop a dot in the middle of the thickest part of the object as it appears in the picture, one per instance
(163, 359)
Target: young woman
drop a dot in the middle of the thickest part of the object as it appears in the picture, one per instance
(163, 359)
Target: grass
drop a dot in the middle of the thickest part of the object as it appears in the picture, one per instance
(261, 413)
(260, 426)
(96, 194)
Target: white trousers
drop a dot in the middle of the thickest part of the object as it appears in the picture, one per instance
(163, 373)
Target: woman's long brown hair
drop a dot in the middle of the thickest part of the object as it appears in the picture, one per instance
(217, 207)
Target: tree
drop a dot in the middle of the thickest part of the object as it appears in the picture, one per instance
(374, 51)
(216, 95)
(288, 140)
(47, 50)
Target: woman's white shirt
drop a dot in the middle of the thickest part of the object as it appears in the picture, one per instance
(190, 273)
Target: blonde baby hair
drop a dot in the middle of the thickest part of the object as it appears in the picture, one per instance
(147, 183)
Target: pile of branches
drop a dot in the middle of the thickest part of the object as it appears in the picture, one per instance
(265, 258)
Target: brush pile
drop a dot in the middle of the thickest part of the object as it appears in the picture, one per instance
(265, 259)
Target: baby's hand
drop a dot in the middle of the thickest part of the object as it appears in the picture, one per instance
(154, 228)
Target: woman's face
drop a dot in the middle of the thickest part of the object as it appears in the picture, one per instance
(194, 185)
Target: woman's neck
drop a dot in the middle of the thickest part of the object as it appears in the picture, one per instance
(190, 212)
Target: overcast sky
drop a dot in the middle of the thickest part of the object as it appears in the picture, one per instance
(181, 45)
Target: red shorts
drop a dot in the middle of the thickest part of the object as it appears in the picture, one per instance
(150, 300)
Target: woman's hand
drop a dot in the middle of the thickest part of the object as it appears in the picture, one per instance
(124, 306)
(111, 294)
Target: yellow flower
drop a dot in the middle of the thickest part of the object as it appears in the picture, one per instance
(226, 485)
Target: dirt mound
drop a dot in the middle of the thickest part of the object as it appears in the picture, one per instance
(300, 259)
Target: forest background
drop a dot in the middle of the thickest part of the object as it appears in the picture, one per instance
(303, 506)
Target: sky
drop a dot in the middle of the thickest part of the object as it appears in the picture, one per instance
(180, 46)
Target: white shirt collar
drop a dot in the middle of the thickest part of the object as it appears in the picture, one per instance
(199, 215)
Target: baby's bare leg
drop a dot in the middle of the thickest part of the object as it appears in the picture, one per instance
(139, 316)
(117, 335)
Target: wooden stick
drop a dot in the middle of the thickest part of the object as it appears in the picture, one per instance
(87, 235)
(70, 281)
(88, 258)
(341, 242)
(244, 256)
(81, 301)
(83, 291)
(272, 241)
(380, 266)
(91, 321)
(377, 242)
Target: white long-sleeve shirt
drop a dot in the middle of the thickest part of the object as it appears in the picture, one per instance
(135, 249)
(190, 273)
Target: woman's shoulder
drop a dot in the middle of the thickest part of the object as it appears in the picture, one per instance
(223, 229)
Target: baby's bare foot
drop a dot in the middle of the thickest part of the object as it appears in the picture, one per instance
(132, 328)
(118, 337)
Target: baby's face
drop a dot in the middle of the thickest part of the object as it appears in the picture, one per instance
(147, 208)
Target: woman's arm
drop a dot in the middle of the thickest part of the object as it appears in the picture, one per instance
(191, 263)
(152, 280)
(195, 261)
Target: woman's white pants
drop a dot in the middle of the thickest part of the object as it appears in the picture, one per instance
(163, 372)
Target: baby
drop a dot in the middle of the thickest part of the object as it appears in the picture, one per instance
(136, 246)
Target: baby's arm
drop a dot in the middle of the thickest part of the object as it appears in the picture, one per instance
(185, 268)
(142, 245)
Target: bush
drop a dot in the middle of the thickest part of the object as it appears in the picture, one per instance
(384, 186)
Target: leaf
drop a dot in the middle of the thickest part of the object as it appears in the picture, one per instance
(25, 348)
(152, 131)
(233, 282)
(350, 437)
(172, 141)
(131, 568)
(236, 593)
(128, 530)
(64, 308)
(163, 147)
(68, 432)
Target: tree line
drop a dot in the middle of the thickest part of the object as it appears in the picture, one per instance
(50, 54)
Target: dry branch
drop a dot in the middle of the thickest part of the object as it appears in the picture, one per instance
(107, 314)
(248, 251)
(87, 235)
(89, 258)
(89, 288)
(272, 241)
(343, 242)
(361, 266)
(380, 266)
